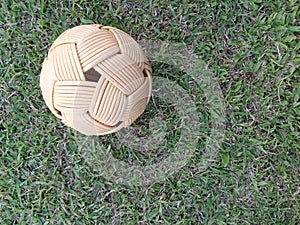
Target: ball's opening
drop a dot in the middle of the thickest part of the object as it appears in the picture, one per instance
(92, 75)
(145, 73)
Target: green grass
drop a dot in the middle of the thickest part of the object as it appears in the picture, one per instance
(251, 46)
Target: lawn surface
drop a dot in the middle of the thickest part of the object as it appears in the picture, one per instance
(253, 49)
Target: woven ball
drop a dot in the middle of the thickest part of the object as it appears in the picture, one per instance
(96, 79)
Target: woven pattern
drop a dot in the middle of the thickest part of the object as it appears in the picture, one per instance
(96, 79)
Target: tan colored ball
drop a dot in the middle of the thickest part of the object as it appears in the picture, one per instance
(96, 79)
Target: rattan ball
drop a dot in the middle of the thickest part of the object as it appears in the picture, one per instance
(96, 79)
